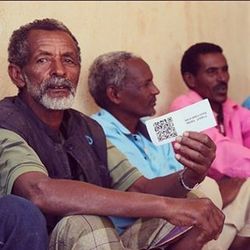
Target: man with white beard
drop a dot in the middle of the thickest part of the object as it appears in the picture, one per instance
(71, 180)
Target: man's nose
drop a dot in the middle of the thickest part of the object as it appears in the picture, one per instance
(223, 76)
(58, 68)
(155, 90)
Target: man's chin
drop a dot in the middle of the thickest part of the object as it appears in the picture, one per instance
(152, 113)
(221, 99)
(57, 103)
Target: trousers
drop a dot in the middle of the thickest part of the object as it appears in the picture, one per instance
(87, 232)
(22, 225)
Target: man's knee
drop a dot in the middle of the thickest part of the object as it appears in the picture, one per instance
(209, 189)
(22, 210)
(84, 232)
(22, 222)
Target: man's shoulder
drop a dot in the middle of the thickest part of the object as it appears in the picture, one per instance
(10, 113)
(84, 118)
(184, 100)
(7, 102)
(108, 122)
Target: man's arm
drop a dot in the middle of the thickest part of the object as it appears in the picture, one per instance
(68, 197)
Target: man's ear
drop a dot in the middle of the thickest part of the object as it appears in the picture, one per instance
(16, 75)
(189, 79)
(112, 93)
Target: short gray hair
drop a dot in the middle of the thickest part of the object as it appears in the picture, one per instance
(19, 52)
(107, 69)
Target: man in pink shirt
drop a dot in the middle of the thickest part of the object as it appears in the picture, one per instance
(205, 71)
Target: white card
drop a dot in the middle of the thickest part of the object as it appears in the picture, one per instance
(196, 117)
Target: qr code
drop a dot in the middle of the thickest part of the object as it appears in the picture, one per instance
(165, 129)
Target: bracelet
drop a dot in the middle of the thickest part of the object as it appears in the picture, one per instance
(184, 184)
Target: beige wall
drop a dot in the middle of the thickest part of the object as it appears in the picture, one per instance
(157, 31)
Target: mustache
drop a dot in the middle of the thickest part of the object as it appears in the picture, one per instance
(57, 82)
(221, 85)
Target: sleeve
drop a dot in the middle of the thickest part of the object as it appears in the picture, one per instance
(179, 102)
(16, 158)
(122, 173)
(232, 159)
(245, 126)
(233, 156)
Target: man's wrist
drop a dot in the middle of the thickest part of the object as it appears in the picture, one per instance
(188, 185)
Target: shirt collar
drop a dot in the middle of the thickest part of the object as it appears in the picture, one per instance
(110, 118)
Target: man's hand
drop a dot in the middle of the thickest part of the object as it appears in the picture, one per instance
(196, 151)
(200, 213)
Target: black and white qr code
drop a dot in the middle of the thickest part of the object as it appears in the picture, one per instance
(165, 129)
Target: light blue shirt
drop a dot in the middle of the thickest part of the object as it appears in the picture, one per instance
(246, 103)
(151, 160)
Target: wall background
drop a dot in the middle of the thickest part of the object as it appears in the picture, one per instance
(159, 31)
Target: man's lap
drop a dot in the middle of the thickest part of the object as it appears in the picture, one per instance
(94, 232)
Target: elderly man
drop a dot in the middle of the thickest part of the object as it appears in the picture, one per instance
(204, 70)
(73, 189)
(122, 84)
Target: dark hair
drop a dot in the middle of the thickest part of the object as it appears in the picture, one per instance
(190, 62)
(18, 49)
(107, 69)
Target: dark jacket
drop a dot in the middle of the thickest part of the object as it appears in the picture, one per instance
(78, 151)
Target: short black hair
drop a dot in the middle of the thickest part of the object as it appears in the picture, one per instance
(18, 49)
(190, 62)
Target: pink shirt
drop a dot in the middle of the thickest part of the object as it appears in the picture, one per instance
(233, 153)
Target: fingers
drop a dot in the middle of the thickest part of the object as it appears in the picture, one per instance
(211, 221)
(200, 213)
(199, 169)
(195, 150)
(197, 142)
(200, 137)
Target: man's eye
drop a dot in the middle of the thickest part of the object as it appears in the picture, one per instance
(149, 84)
(69, 61)
(42, 60)
(211, 71)
(225, 69)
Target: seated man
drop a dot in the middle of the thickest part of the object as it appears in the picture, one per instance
(70, 181)
(122, 84)
(22, 225)
(205, 72)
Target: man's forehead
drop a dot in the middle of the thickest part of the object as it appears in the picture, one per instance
(43, 37)
(137, 66)
(212, 60)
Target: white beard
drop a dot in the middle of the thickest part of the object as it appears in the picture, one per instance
(40, 94)
(57, 103)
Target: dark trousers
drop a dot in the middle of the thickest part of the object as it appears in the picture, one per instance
(22, 225)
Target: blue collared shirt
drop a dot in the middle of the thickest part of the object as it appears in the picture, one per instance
(151, 160)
